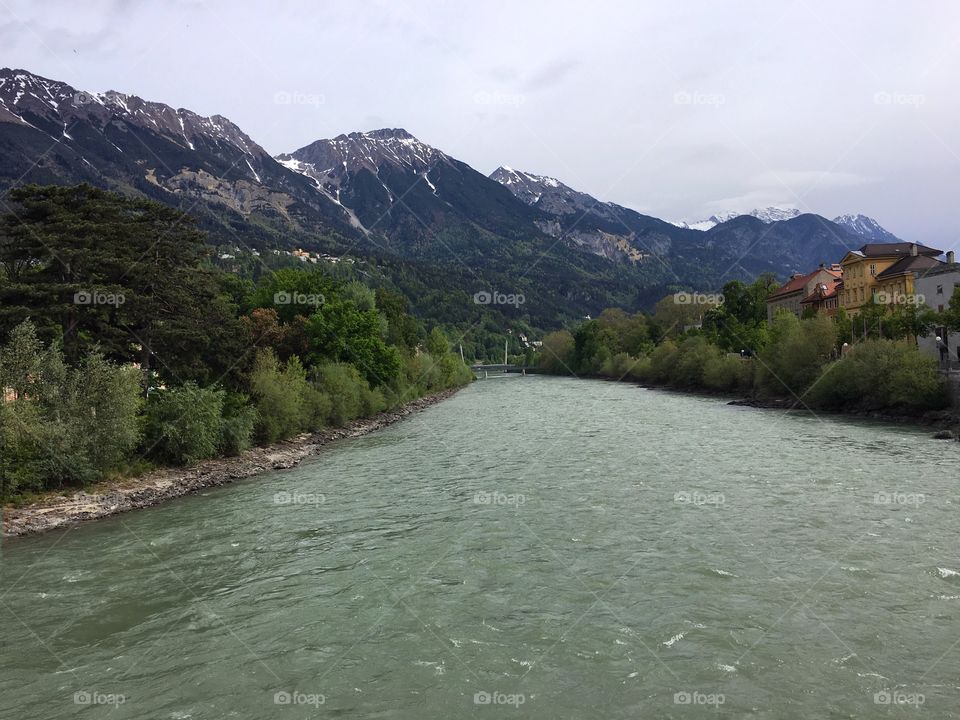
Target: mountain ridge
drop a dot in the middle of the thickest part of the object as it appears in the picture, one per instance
(387, 193)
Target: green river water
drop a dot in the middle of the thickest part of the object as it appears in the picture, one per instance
(531, 548)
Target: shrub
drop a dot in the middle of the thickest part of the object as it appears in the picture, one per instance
(105, 402)
(346, 389)
(692, 357)
(183, 425)
(283, 397)
(727, 372)
(880, 375)
(65, 426)
(237, 424)
(795, 354)
(618, 366)
(640, 370)
(662, 361)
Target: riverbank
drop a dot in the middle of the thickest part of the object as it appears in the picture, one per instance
(111, 498)
(946, 423)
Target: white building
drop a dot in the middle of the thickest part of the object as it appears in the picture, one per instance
(935, 288)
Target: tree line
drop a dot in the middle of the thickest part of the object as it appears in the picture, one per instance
(123, 346)
(869, 363)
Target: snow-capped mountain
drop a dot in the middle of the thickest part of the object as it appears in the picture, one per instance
(366, 149)
(866, 227)
(861, 225)
(51, 132)
(331, 164)
(768, 215)
(533, 188)
(54, 107)
(404, 189)
(394, 197)
(740, 239)
(603, 228)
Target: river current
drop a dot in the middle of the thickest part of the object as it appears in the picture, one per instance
(531, 548)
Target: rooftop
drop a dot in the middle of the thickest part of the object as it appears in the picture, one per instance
(798, 282)
(900, 248)
(824, 291)
(910, 263)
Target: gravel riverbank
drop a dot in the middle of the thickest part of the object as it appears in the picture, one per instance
(105, 499)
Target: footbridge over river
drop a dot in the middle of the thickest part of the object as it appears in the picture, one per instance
(485, 371)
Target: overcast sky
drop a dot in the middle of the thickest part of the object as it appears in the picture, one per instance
(677, 109)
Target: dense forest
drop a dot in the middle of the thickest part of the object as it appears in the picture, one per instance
(123, 345)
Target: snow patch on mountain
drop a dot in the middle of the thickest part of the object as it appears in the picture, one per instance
(767, 215)
(866, 227)
(55, 103)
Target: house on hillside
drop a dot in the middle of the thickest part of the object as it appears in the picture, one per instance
(883, 271)
(791, 295)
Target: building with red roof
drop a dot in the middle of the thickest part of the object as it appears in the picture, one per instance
(791, 295)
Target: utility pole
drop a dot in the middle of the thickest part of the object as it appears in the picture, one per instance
(461, 354)
(505, 352)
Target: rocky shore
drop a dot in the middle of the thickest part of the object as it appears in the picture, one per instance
(945, 421)
(105, 499)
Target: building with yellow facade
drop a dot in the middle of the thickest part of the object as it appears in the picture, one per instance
(884, 272)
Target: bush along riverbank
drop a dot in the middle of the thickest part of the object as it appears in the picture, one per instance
(138, 353)
(792, 363)
(58, 510)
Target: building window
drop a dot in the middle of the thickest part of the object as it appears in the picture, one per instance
(939, 308)
(873, 269)
(939, 289)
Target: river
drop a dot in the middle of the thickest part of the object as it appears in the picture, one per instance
(533, 547)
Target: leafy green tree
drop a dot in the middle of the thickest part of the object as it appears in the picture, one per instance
(912, 320)
(402, 329)
(740, 323)
(557, 352)
(340, 332)
(951, 314)
(437, 343)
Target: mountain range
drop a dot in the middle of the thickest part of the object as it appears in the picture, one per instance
(429, 218)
